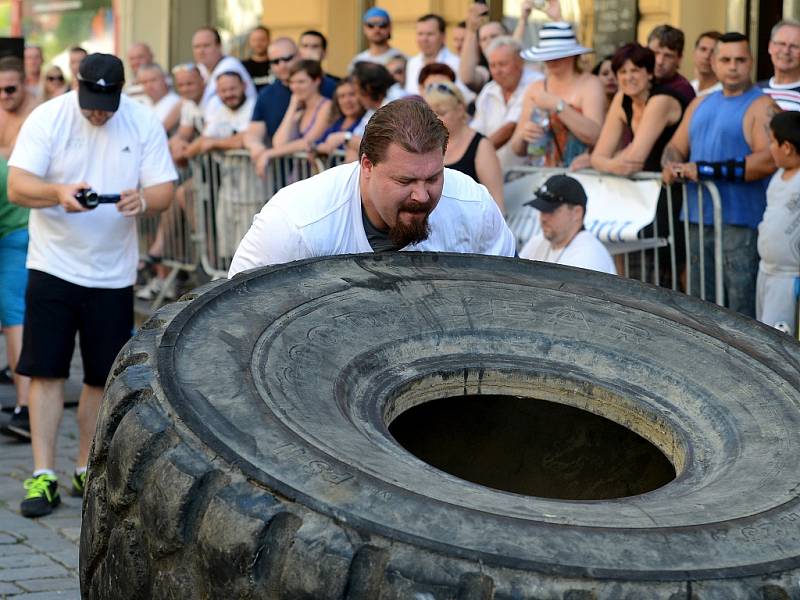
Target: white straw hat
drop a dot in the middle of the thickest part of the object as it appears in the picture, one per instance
(556, 40)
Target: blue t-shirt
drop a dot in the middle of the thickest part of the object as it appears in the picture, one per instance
(271, 105)
(273, 101)
(335, 127)
(716, 135)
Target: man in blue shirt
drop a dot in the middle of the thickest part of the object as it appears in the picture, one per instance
(724, 137)
(273, 100)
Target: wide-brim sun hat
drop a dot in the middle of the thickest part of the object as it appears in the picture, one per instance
(556, 40)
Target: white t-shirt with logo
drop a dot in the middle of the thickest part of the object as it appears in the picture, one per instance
(97, 248)
(321, 216)
(584, 251)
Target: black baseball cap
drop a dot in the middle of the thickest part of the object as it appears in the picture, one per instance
(558, 190)
(100, 81)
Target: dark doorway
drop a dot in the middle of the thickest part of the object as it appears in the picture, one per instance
(769, 13)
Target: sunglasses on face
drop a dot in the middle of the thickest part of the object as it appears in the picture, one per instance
(280, 59)
(398, 71)
(440, 87)
(9, 90)
(52, 78)
(376, 25)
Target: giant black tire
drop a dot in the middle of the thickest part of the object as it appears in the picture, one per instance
(242, 448)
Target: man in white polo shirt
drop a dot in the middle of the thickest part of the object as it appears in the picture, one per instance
(432, 49)
(499, 104)
(398, 196)
(81, 260)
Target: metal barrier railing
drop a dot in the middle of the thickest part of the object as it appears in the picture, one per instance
(220, 194)
(170, 236)
(644, 252)
(225, 194)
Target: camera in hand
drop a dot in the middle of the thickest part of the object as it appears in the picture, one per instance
(90, 199)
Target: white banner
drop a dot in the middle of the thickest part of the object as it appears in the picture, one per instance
(616, 208)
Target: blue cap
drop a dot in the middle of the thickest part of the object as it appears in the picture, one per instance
(376, 12)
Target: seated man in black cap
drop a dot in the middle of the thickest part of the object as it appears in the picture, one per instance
(562, 205)
(88, 162)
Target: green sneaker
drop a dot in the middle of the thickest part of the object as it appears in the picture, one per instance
(42, 496)
(78, 484)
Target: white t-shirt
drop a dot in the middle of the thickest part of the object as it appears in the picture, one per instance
(228, 63)
(381, 59)
(415, 64)
(191, 115)
(321, 216)
(225, 122)
(97, 248)
(164, 107)
(779, 231)
(584, 251)
(709, 90)
(492, 112)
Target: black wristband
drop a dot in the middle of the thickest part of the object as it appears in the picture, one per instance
(729, 170)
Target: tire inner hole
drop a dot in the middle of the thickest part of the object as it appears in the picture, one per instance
(532, 447)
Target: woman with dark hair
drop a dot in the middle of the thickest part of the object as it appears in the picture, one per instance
(607, 77)
(435, 73)
(306, 118)
(650, 113)
(345, 116)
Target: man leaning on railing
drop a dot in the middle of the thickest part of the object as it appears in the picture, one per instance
(725, 136)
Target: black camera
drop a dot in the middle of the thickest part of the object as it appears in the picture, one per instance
(88, 198)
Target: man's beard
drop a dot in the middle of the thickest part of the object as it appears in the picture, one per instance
(416, 231)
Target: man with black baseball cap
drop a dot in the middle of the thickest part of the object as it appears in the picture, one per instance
(81, 258)
(561, 202)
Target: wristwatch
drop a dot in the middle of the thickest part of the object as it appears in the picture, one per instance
(560, 107)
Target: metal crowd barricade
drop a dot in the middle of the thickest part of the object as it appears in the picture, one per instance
(229, 194)
(170, 235)
(646, 250)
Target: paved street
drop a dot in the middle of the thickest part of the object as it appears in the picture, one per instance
(38, 557)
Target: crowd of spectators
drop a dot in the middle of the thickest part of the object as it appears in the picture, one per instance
(504, 104)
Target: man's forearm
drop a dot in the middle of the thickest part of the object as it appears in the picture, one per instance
(26, 189)
(234, 142)
(671, 155)
(501, 136)
(159, 197)
(759, 165)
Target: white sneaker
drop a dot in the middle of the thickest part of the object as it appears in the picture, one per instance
(153, 289)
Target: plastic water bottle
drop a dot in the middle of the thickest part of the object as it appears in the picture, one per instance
(538, 148)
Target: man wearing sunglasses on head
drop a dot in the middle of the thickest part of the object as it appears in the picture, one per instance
(81, 261)
(378, 32)
(207, 52)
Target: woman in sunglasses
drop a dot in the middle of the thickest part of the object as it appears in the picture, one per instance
(54, 83)
(467, 150)
(306, 118)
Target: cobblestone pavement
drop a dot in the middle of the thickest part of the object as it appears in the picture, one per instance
(39, 557)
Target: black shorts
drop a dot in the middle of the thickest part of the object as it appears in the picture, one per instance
(55, 310)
